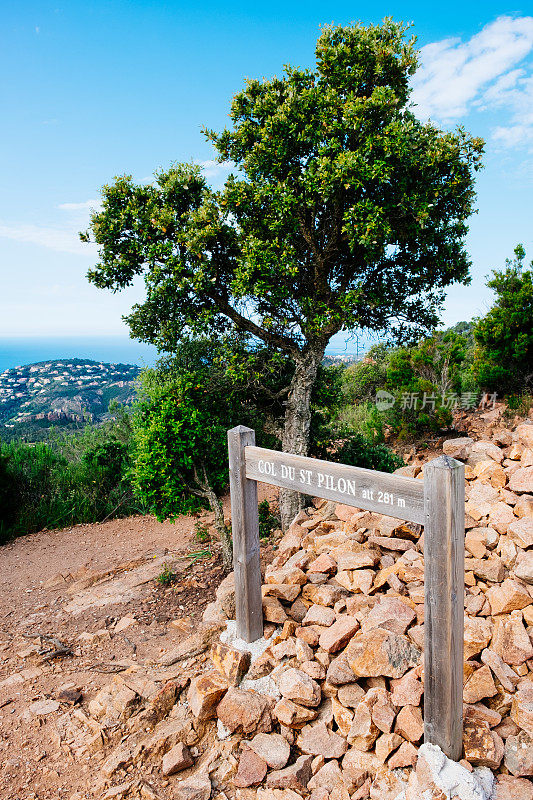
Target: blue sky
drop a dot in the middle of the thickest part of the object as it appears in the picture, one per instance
(95, 89)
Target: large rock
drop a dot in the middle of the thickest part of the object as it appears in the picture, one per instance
(297, 686)
(364, 731)
(273, 611)
(115, 702)
(506, 676)
(524, 506)
(328, 778)
(177, 759)
(317, 740)
(350, 694)
(231, 663)
(246, 711)
(386, 745)
(290, 575)
(272, 748)
(479, 685)
(406, 691)
(477, 635)
(225, 595)
(523, 567)
(488, 569)
(197, 787)
(510, 639)
(205, 692)
(524, 433)
(481, 451)
(409, 723)
(390, 613)
(319, 615)
(339, 634)
(405, 756)
(482, 747)
(339, 671)
(323, 595)
(281, 591)
(521, 480)
(252, 769)
(522, 707)
(358, 560)
(381, 652)
(458, 448)
(519, 754)
(521, 531)
(295, 777)
(356, 762)
(491, 472)
(509, 788)
(356, 580)
(293, 715)
(508, 596)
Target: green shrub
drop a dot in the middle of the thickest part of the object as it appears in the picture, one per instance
(363, 418)
(268, 521)
(504, 358)
(357, 451)
(64, 483)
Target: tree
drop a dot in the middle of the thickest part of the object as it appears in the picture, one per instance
(345, 212)
(504, 336)
(180, 428)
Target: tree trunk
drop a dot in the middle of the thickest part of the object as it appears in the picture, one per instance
(297, 425)
(222, 529)
(206, 490)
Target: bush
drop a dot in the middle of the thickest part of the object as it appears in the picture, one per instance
(357, 451)
(504, 358)
(78, 479)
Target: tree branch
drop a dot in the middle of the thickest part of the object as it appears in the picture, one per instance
(250, 327)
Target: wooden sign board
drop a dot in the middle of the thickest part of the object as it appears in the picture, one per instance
(394, 495)
(437, 502)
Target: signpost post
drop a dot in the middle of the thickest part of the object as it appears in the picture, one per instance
(437, 502)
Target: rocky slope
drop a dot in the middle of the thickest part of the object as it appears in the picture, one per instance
(330, 704)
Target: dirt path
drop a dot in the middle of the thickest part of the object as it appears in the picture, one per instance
(92, 588)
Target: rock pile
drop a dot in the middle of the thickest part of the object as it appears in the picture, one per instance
(330, 704)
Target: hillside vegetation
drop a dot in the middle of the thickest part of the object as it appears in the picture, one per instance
(62, 392)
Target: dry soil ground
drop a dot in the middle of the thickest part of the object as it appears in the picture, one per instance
(91, 588)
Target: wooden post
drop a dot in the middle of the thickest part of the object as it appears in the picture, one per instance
(245, 529)
(444, 501)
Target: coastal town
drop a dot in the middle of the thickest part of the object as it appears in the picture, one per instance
(66, 391)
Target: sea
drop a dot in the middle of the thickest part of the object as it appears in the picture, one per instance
(17, 352)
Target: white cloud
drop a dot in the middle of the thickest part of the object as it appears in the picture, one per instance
(215, 169)
(457, 77)
(79, 206)
(64, 241)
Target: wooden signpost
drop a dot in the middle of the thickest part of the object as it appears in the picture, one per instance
(437, 502)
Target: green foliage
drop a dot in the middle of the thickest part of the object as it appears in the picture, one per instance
(199, 555)
(344, 212)
(81, 478)
(167, 576)
(187, 404)
(504, 359)
(361, 452)
(427, 379)
(363, 418)
(268, 521)
(202, 533)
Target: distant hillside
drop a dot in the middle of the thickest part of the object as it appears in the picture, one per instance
(68, 392)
